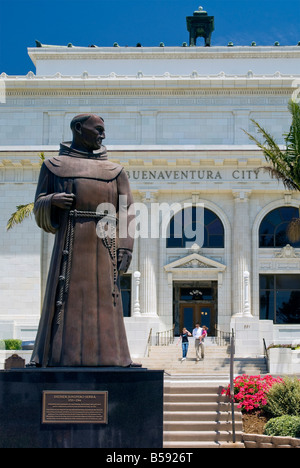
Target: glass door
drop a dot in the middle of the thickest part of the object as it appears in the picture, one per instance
(191, 313)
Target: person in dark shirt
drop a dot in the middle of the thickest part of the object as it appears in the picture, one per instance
(184, 337)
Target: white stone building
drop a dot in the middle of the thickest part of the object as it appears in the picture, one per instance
(174, 119)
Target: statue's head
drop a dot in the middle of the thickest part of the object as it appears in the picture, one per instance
(88, 132)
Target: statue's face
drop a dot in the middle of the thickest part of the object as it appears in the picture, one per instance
(92, 132)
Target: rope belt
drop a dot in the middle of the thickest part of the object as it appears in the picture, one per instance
(67, 253)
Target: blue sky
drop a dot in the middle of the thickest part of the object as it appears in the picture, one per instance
(103, 22)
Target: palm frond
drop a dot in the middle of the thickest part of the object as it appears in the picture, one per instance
(292, 140)
(22, 212)
(293, 230)
(284, 164)
(288, 182)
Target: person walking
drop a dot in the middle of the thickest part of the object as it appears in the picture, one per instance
(184, 337)
(204, 335)
(197, 334)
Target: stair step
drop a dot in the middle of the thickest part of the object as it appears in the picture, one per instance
(200, 426)
(202, 444)
(197, 415)
(200, 416)
(196, 406)
(216, 361)
(195, 389)
(207, 436)
(194, 397)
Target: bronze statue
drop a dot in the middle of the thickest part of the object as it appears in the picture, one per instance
(82, 317)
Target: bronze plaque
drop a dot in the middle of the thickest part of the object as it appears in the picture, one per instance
(68, 407)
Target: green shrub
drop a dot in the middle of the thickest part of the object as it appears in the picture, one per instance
(284, 426)
(13, 344)
(284, 398)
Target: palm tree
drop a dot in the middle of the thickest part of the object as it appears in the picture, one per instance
(284, 165)
(22, 211)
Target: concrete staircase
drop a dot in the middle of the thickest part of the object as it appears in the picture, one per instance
(196, 415)
(216, 361)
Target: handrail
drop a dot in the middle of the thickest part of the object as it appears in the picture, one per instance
(232, 353)
(148, 343)
(222, 338)
(166, 337)
(266, 354)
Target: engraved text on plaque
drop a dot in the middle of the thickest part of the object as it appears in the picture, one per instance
(74, 407)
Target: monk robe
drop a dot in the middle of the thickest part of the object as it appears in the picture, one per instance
(82, 317)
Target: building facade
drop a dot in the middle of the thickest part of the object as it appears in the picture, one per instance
(174, 119)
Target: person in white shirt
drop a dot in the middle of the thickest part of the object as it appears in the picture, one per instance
(197, 334)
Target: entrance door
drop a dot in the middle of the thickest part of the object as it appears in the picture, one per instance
(191, 313)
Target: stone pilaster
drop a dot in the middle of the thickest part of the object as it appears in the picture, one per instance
(148, 263)
(241, 252)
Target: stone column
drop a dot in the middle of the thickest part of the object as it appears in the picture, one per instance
(241, 253)
(148, 263)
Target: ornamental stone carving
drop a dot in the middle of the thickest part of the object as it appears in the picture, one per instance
(287, 252)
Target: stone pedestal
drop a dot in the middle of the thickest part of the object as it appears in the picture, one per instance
(248, 342)
(134, 408)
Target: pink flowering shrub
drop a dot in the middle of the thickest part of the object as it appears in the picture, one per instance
(250, 391)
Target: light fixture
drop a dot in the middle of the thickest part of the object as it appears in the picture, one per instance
(195, 292)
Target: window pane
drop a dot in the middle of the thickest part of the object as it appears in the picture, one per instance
(280, 298)
(185, 294)
(175, 243)
(216, 241)
(266, 241)
(272, 230)
(126, 300)
(267, 306)
(275, 217)
(185, 229)
(209, 216)
(125, 284)
(266, 281)
(287, 213)
(288, 282)
(216, 227)
(287, 307)
(266, 227)
(196, 294)
(280, 235)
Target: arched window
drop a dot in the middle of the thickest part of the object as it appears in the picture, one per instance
(185, 226)
(273, 228)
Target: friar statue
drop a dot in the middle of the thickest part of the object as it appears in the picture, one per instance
(82, 316)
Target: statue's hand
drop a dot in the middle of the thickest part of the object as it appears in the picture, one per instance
(63, 200)
(124, 258)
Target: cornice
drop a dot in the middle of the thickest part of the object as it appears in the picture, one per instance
(161, 53)
(140, 84)
(131, 156)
